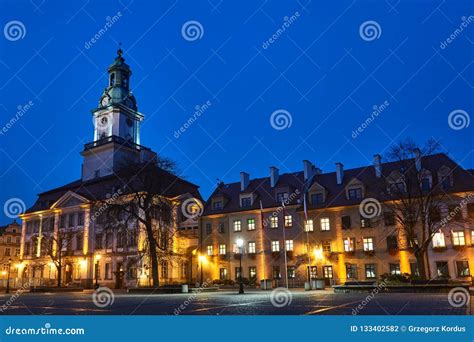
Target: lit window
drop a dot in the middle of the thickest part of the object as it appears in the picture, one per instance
(289, 245)
(394, 268)
(222, 249)
(325, 226)
(251, 247)
(223, 273)
(273, 222)
(458, 239)
(349, 245)
(291, 272)
(462, 268)
(251, 224)
(275, 246)
(326, 245)
(288, 221)
(438, 240)
(364, 222)
(351, 271)
(327, 272)
(368, 244)
(237, 226)
(309, 226)
(252, 272)
(370, 271)
(210, 250)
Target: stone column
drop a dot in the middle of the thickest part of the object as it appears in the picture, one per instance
(40, 236)
(56, 231)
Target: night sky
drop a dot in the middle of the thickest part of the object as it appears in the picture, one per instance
(323, 65)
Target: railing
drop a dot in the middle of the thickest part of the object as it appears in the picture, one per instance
(116, 139)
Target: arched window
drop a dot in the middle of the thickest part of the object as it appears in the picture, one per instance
(112, 79)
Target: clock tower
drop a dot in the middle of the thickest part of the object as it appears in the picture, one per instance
(116, 126)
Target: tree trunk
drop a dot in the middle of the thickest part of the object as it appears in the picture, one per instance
(58, 269)
(153, 256)
(420, 261)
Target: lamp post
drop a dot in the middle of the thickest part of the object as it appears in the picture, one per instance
(97, 258)
(7, 290)
(240, 244)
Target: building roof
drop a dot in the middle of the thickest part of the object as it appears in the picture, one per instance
(102, 188)
(463, 180)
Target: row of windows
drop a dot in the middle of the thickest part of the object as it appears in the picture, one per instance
(251, 247)
(457, 238)
(10, 239)
(8, 252)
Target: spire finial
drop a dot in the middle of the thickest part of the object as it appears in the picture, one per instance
(119, 51)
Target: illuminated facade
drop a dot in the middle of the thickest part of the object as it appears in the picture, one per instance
(67, 225)
(332, 238)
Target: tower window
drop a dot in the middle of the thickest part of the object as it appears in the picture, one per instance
(112, 79)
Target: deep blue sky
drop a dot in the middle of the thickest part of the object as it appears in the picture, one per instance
(320, 70)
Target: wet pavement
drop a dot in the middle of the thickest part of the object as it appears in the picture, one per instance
(254, 302)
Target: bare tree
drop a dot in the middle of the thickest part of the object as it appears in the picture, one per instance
(413, 200)
(57, 246)
(148, 201)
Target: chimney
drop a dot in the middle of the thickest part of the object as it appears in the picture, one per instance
(244, 181)
(339, 173)
(308, 169)
(417, 153)
(317, 171)
(273, 176)
(378, 165)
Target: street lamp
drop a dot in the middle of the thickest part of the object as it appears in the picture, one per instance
(240, 244)
(7, 290)
(97, 258)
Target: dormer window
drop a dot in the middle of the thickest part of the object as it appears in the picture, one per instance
(317, 198)
(399, 186)
(425, 184)
(445, 177)
(217, 205)
(354, 193)
(246, 202)
(282, 196)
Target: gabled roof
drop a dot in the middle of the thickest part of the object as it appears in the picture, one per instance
(102, 188)
(336, 194)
